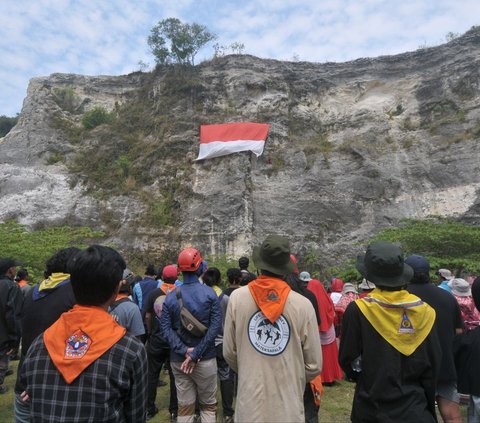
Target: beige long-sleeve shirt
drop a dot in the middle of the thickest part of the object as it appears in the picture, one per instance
(273, 362)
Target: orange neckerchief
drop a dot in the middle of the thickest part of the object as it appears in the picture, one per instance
(317, 389)
(79, 337)
(22, 283)
(120, 296)
(167, 287)
(270, 294)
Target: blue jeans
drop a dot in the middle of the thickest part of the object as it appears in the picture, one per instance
(474, 410)
(21, 410)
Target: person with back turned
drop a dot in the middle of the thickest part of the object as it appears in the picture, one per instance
(271, 340)
(85, 367)
(389, 345)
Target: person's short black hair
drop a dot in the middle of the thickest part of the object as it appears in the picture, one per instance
(22, 274)
(476, 292)
(234, 275)
(95, 273)
(243, 262)
(58, 263)
(249, 277)
(150, 270)
(420, 278)
(160, 271)
(212, 276)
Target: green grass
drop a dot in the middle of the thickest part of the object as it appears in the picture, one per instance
(335, 407)
(34, 247)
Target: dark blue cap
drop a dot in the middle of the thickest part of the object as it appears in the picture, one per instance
(418, 263)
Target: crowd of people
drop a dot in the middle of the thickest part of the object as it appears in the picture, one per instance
(93, 337)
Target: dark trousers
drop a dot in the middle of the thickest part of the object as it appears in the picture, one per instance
(227, 383)
(311, 409)
(4, 360)
(156, 360)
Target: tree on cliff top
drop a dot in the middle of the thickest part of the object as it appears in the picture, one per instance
(172, 41)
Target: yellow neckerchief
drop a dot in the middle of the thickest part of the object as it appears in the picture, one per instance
(53, 280)
(217, 290)
(401, 318)
(79, 337)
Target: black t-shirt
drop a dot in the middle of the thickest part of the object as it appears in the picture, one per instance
(313, 299)
(448, 320)
(156, 342)
(38, 315)
(391, 386)
(228, 291)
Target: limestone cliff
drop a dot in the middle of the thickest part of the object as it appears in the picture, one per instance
(353, 147)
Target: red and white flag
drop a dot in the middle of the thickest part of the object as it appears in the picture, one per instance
(228, 138)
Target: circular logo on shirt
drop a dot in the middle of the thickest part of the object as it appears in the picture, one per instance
(267, 338)
(77, 345)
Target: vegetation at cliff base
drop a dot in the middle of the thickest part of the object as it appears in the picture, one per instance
(33, 248)
(443, 242)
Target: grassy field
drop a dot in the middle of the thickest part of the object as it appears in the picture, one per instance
(335, 407)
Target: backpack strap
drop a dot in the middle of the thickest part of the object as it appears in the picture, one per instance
(179, 296)
(115, 304)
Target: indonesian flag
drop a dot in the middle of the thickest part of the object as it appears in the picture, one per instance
(228, 138)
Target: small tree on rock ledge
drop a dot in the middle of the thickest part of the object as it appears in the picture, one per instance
(172, 41)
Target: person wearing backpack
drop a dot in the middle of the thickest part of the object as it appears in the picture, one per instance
(212, 277)
(125, 312)
(158, 349)
(191, 320)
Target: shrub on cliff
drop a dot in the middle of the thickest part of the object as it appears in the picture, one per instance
(95, 117)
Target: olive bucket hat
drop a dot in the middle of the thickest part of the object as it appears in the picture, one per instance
(274, 255)
(383, 265)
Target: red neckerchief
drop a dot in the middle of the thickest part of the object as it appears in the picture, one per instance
(22, 283)
(79, 337)
(270, 294)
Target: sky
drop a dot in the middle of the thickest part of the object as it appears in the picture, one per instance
(109, 37)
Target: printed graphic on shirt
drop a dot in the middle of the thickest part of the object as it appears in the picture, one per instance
(267, 338)
(77, 345)
(406, 325)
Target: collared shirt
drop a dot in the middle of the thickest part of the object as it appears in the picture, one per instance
(444, 285)
(111, 389)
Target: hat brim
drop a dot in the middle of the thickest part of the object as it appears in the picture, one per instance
(461, 294)
(304, 279)
(367, 285)
(393, 281)
(285, 269)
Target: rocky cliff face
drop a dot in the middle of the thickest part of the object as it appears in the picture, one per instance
(353, 148)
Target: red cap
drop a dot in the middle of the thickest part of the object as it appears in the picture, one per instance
(170, 273)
